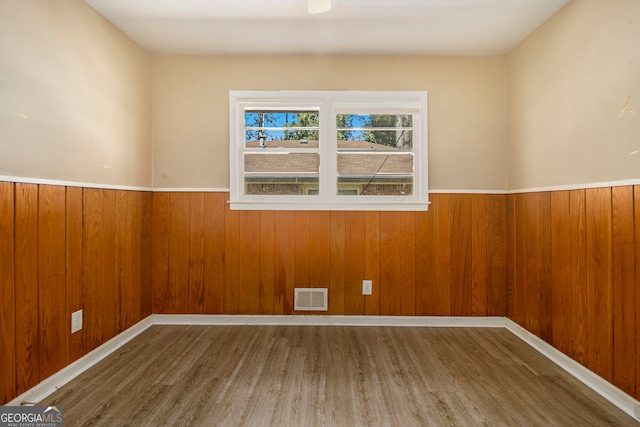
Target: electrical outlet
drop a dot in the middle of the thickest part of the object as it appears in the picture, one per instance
(76, 321)
(367, 287)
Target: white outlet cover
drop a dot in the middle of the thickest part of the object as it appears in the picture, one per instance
(76, 321)
(367, 287)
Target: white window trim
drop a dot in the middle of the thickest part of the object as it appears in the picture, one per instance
(329, 103)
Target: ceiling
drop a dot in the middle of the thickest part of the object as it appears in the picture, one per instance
(351, 27)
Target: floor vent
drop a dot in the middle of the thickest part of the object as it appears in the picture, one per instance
(310, 299)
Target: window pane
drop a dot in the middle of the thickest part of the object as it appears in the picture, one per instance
(267, 143)
(279, 185)
(286, 163)
(376, 186)
(381, 130)
(294, 127)
(352, 164)
(377, 140)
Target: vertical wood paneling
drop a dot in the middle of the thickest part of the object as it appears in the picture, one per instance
(425, 262)
(249, 258)
(92, 275)
(407, 276)
(195, 289)
(520, 260)
(179, 252)
(26, 285)
(232, 255)
(391, 253)
(124, 261)
(561, 239)
(496, 297)
(73, 262)
(512, 260)
(74, 249)
(441, 203)
(285, 250)
(479, 254)
(320, 250)
(543, 265)
(338, 263)
(110, 287)
(267, 262)
(301, 261)
(599, 292)
(355, 256)
(636, 210)
(578, 275)
(160, 252)
(624, 290)
(461, 264)
(7, 294)
(532, 291)
(52, 348)
(372, 261)
(146, 254)
(214, 249)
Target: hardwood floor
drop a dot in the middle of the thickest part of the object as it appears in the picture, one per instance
(329, 376)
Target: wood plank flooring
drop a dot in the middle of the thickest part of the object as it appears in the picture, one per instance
(329, 376)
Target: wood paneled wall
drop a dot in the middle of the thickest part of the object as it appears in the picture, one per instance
(63, 249)
(449, 261)
(574, 276)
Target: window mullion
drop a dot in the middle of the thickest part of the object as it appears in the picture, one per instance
(328, 149)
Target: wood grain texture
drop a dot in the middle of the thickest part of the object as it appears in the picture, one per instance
(479, 223)
(636, 199)
(160, 252)
(195, 287)
(267, 265)
(73, 265)
(249, 263)
(372, 261)
(391, 255)
(214, 249)
(179, 256)
(599, 286)
(496, 287)
(7, 294)
(124, 262)
(53, 330)
(292, 376)
(461, 263)
(355, 262)
(425, 262)
(624, 290)
(441, 204)
(338, 263)
(26, 286)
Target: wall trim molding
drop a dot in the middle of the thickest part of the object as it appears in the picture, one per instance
(621, 183)
(27, 180)
(329, 320)
(598, 384)
(68, 373)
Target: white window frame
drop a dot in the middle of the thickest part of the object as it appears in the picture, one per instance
(329, 103)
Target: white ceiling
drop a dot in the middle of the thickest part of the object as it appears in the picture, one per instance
(360, 27)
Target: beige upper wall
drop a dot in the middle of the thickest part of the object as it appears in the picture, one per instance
(567, 87)
(74, 96)
(466, 110)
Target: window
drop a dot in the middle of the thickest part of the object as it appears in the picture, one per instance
(328, 150)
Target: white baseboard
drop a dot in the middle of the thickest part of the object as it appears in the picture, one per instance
(598, 384)
(327, 320)
(62, 377)
(604, 388)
